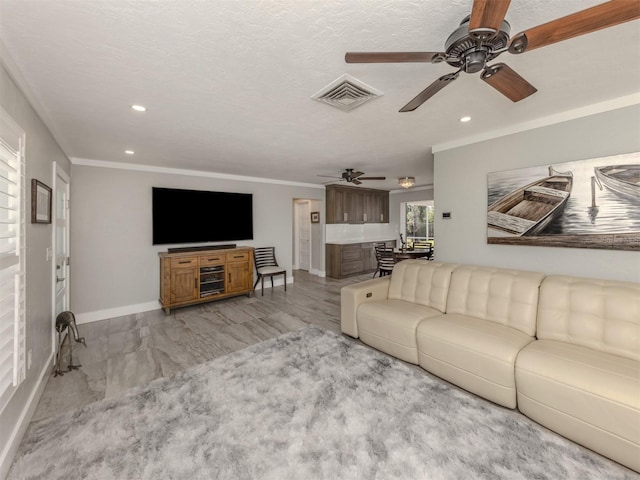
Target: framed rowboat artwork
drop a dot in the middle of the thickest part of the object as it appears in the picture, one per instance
(591, 203)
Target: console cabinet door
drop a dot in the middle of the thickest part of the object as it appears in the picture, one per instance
(239, 275)
(184, 284)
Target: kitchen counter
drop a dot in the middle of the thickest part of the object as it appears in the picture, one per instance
(353, 242)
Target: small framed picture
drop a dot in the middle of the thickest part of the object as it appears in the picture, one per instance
(315, 217)
(40, 202)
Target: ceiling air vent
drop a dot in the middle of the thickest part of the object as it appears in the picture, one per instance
(346, 93)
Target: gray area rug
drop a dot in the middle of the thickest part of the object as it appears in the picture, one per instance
(306, 405)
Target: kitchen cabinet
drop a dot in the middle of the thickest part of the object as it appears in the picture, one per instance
(346, 260)
(354, 205)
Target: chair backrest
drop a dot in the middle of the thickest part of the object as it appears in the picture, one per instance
(422, 245)
(265, 257)
(384, 256)
(377, 247)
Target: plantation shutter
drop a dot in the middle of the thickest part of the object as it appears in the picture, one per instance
(12, 258)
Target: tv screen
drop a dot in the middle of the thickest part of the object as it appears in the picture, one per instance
(191, 216)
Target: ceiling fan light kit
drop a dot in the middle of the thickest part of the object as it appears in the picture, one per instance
(350, 176)
(406, 182)
(484, 35)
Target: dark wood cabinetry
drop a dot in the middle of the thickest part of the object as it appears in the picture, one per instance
(356, 205)
(337, 205)
(345, 260)
(187, 278)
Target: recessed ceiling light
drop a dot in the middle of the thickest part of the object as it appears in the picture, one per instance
(129, 152)
(465, 119)
(139, 108)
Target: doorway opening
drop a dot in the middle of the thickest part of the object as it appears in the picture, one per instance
(307, 236)
(416, 221)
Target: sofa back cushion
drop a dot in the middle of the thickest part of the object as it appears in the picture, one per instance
(508, 297)
(599, 314)
(422, 282)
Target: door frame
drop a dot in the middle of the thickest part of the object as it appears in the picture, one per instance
(296, 234)
(64, 176)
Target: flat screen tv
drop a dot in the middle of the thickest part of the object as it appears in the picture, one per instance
(193, 216)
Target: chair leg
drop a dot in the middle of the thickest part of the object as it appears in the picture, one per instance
(257, 280)
(271, 282)
(262, 284)
(285, 280)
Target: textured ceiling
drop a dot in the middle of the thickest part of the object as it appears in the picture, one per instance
(228, 84)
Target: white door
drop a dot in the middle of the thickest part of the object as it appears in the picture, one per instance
(60, 244)
(304, 236)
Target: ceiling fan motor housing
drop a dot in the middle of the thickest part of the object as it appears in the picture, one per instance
(472, 54)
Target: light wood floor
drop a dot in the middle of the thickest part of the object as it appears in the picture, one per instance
(128, 351)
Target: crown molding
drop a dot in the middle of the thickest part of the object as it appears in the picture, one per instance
(608, 105)
(87, 162)
(412, 189)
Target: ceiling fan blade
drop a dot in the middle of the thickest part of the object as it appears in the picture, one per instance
(355, 181)
(504, 79)
(356, 174)
(393, 57)
(590, 20)
(487, 17)
(372, 178)
(430, 91)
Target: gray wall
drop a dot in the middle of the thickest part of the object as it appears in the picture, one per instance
(115, 267)
(41, 151)
(461, 188)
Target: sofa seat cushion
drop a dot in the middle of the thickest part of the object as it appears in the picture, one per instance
(477, 355)
(589, 396)
(390, 326)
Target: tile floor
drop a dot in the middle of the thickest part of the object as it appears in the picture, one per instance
(127, 351)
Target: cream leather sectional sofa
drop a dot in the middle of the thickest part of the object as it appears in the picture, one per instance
(564, 350)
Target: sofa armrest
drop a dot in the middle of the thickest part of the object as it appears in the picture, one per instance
(352, 296)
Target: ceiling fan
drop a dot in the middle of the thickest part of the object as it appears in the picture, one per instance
(484, 35)
(350, 176)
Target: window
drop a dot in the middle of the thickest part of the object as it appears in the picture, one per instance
(417, 221)
(12, 258)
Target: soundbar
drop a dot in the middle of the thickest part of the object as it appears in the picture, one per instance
(198, 249)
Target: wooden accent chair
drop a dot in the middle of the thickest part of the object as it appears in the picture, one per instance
(267, 266)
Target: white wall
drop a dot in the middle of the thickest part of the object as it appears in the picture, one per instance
(115, 267)
(461, 188)
(41, 151)
(317, 238)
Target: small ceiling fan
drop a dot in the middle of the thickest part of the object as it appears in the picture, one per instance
(484, 35)
(350, 176)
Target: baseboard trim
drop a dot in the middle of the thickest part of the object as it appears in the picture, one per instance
(21, 426)
(98, 315)
(319, 273)
(277, 282)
